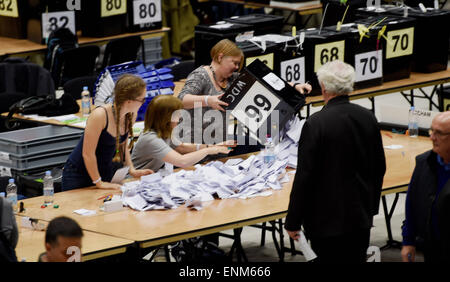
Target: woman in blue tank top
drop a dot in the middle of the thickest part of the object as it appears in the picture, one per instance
(104, 141)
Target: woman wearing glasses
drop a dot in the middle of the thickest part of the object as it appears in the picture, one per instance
(103, 146)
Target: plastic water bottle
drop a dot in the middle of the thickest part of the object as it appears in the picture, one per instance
(48, 188)
(413, 126)
(11, 193)
(269, 151)
(85, 102)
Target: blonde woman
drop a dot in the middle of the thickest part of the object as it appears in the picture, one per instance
(105, 139)
(154, 146)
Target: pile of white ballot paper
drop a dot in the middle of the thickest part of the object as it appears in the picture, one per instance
(236, 178)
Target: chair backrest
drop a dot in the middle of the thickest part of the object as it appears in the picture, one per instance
(20, 79)
(122, 50)
(182, 69)
(75, 86)
(77, 62)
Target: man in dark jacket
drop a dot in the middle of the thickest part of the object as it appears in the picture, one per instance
(427, 206)
(341, 164)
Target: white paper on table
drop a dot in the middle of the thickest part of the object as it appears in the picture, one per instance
(37, 117)
(393, 147)
(80, 124)
(120, 174)
(85, 212)
(65, 117)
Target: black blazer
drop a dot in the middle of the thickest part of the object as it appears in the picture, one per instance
(340, 171)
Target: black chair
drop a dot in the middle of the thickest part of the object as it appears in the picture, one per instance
(74, 86)
(122, 50)
(182, 69)
(76, 62)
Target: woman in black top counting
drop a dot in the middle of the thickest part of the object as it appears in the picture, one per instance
(105, 139)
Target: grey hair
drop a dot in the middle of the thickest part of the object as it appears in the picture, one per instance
(337, 77)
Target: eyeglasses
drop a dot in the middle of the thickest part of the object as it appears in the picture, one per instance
(140, 101)
(437, 133)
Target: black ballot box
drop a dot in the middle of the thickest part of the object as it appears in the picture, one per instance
(290, 60)
(321, 47)
(207, 35)
(100, 18)
(398, 39)
(262, 101)
(46, 16)
(336, 11)
(144, 15)
(13, 18)
(263, 51)
(365, 53)
(262, 23)
(431, 39)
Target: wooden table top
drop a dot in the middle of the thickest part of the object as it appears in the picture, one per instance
(11, 46)
(416, 80)
(94, 245)
(160, 227)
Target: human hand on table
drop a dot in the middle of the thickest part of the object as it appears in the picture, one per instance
(136, 173)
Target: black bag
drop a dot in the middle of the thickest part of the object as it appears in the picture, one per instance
(44, 105)
(7, 252)
(198, 250)
(32, 185)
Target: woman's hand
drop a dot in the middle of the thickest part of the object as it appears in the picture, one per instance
(228, 143)
(136, 173)
(108, 185)
(215, 102)
(214, 150)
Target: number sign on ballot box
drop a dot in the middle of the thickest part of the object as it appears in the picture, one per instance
(54, 20)
(146, 11)
(262, 101)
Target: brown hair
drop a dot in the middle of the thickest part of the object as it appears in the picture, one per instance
(159, 114)
(128, 87)
(227, 48)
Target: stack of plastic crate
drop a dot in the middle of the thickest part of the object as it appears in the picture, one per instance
(153, 50)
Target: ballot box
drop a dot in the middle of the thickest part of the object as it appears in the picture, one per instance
(290, 59)
(262, 23)
(13, 18)
(207, 35)
(365, 53)
(264, 51)
(100, 18)
(397, 35)
(144, 15)
(431, 39)
(321, 47)
(262, 101)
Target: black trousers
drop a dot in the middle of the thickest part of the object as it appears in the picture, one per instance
(347, 248)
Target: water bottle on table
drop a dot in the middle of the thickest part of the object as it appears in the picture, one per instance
(413, 125)
(85, 102)
(269, 150)
(49, 191)
(11, 193)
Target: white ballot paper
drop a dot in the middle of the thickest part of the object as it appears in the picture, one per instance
(120, 175)
(305, 248)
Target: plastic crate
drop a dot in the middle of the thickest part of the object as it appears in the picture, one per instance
(38, 140)
(21, 162)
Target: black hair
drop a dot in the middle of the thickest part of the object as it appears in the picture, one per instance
(62, 226)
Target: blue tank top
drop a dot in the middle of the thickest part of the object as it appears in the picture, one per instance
(106, 148)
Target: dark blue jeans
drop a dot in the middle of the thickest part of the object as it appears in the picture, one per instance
(73, 179)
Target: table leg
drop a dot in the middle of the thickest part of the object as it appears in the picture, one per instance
(388, 215)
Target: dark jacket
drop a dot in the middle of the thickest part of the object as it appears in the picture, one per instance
(421, 195)
(340, 171)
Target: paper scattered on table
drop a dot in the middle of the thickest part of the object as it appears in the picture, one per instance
(85, 212)
(120, 175)
(138, 127)
(393, 147)
(236, 178)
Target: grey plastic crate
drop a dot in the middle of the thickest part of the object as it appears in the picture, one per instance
(36, 161)
(152, 43)
(37, 140)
